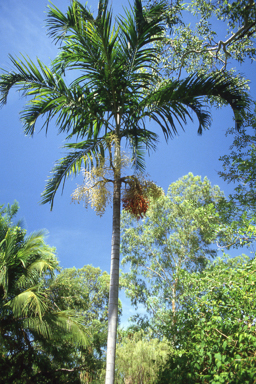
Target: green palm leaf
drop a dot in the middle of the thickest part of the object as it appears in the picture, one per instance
(30, 302)
(59, 25)
(80, 153)
(175, 99)
(73, 326)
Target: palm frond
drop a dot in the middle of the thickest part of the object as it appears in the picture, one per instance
(102, 7)
(138, 31)
(51, 98)
(67, 322)
(89, 47)
(140, 140)
(59, 25)
(8, 258)
(175, 98)
(73, 325)
(49, 92)
(82, 152)
(29, 303)
(32, 275)
(39, 326)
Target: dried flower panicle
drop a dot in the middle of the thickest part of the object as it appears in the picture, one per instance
(96, 189)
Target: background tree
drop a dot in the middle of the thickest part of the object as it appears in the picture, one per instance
(52, 329)
(208, 36)
(239, 165)
(116, 89)
(140, 357)
(180, 231)
(215, 327)
(84, 291)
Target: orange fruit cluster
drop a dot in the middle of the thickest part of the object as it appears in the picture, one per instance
(136, 204)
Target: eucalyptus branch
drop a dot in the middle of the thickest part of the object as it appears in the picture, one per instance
(224, 44)
(187, 53)
(152, 270)
(246, 30)
(162, 269)
(242, 238)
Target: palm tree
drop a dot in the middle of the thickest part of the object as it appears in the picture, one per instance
(116, 90)
(28, 313)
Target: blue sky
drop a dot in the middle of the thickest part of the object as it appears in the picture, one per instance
(79, 235)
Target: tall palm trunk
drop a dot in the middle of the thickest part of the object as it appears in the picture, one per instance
(114, 268)
(114, 284)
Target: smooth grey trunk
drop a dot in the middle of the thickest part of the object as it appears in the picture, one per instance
(114, 267)
(114, 285)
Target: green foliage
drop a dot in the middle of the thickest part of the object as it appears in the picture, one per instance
(215, 327)
(85, 291)
(179, 231)
(139, 357)
(52, 328)
(208, 36)
(239, 166)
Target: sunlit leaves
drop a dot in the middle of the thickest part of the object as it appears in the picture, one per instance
(179, 231)
(140, 357)
(215, 328)
(202, 45)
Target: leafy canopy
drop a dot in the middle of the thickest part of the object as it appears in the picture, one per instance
(215, 328)
(180, 231)
(40, 329)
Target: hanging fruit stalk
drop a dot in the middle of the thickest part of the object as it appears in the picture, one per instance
(135, 200)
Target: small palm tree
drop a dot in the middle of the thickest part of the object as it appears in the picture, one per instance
(116, 90)
(28, 313)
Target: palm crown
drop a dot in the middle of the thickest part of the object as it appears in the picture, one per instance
(117, 87)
